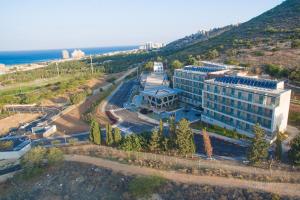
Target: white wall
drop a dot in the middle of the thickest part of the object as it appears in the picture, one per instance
(14, 154)
(281, 113)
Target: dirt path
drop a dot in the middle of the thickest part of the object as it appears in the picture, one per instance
(277, 188)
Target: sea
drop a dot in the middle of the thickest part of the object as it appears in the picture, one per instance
(10, 58)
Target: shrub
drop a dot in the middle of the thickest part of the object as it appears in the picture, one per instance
(259, 53)
(6, 145)
(295, 43)
(55, 156)
(294, 152)
(145, 186)
(38, 158)
(77, 98)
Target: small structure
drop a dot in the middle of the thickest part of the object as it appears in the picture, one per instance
(40, 132)
(17, 147)
(65, 54)
(158, 67)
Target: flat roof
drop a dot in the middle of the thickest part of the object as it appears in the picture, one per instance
(254, 84)
(161, 91)
(203, 69)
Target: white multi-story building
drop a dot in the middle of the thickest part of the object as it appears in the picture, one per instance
(190, 80)
(77, 54)
(238, 103)
(151, 46)
(65, 54)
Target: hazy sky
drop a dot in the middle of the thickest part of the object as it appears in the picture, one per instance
(50, 24)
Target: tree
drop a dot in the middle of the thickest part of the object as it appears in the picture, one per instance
(131, 143)
(294, 152)
(278, 147)
(176, 64)
(155, 141)
(165, 143)
(95, 132)
(109, 135)
(212, 54)
(149, 66)
(207, 143)
(191, 60)
(185, 138)
(161, 128)
(172, 127)
(258, 150)
(117, 136)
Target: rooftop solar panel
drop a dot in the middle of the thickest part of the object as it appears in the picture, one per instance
(202, 69)
(269, 84)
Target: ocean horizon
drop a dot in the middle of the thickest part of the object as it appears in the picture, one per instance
(10, 58)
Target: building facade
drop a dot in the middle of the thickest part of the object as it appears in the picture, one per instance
(190, 80)
(238, 103)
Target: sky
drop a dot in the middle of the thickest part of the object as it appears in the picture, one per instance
(55, 24)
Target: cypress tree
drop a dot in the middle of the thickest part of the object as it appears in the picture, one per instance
(258, 150)
(117, 135)
(92, 125)
(172, 127)
(155, 141)
(207, 143)
(278, 147)
(185, 138)
(109, 136)
(97, 134)
(161, 128)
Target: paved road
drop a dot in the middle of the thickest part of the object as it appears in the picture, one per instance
(47, 111)
(129, 119)
(276, 188)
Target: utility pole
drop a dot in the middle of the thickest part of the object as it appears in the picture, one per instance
(92, 68)
(57, 69)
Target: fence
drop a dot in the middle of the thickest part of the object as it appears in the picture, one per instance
(219, 168)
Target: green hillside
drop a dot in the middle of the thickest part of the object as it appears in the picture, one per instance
(280, 24)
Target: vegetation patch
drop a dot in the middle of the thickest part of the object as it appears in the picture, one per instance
(144, 186)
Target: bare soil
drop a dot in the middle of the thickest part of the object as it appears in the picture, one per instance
(16, 120)
(73, 180)
(72, 122)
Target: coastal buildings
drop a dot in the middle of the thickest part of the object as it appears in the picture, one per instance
(238, 103)
(65, 54)
(3, 69)
(77, 54)
(190, 80)
(151, 45)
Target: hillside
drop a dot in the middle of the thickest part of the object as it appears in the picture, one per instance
(195, 38)
(276, 31)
